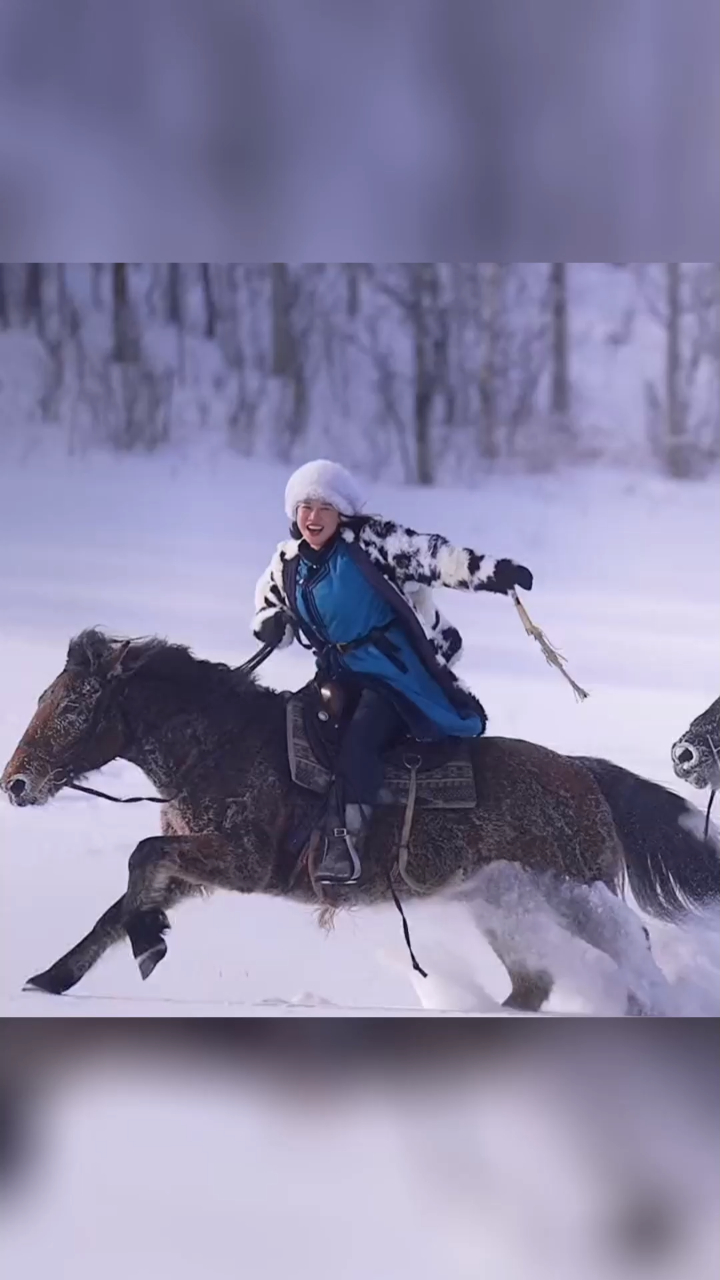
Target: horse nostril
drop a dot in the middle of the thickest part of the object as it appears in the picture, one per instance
(684, 754)
(17, 787)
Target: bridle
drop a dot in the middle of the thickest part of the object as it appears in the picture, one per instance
(715, 752)
(103, 700)
(716, 757)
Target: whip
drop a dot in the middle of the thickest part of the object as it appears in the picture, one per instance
(550, 653)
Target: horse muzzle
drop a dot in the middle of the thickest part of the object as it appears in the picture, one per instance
(24, 790)
(694, 766)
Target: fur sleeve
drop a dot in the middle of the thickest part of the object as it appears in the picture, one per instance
(428, 558)
(445, 637)
(270, 598)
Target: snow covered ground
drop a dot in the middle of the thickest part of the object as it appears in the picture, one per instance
(626, 586)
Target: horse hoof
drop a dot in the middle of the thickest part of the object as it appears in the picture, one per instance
(53, 984)
(145, 930)
(636, 1008)
(149, 959)
(529, 991)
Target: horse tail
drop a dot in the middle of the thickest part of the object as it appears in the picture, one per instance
(671, 867)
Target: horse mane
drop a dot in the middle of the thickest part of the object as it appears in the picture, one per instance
(94, 650)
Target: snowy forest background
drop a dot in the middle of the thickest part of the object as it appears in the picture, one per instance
(423, 372)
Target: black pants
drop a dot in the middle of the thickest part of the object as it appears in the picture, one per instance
(375, 724)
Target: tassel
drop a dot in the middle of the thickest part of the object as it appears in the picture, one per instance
(550, 654)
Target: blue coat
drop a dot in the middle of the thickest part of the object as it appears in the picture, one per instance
(336, 600)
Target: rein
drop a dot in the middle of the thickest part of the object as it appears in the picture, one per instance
(707, 814)
(104, 795)
(716, 758)
(257, 659)
(246, 668)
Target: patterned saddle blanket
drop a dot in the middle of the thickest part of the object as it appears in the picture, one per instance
(444, 771)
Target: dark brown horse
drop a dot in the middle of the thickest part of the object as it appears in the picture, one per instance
(213, 743)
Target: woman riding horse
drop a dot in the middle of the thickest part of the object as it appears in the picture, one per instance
(355, 589)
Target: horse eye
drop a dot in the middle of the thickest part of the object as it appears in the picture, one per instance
(73, 706)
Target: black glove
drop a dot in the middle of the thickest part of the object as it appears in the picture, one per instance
(272, 629)
(508, 575)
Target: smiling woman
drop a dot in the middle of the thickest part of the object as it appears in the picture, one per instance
(355, 590)
(318, 522)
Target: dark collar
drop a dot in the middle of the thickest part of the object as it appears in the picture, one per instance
(318, 557)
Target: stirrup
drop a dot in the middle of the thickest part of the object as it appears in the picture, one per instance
(333, 877)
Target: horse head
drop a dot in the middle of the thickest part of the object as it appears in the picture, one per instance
(78, 725)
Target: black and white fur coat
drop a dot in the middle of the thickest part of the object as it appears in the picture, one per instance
(412, 563)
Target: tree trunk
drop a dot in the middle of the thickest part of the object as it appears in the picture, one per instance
(424, 382)
(283, 340)
(211, 315)
(97, 270)
(352, 295)
(560, 384)
(4, 312)
(490, 307)
(33, 300)
(678, 459)
(63, 300)
(174, 295)
(125, 341)
(227, 289)
(423, 410)
(672, 352)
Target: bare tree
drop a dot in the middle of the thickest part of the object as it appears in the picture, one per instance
(4, 311)
(175, 307)
(683, 412)
(490, 302)
(226, 293)
(60, 332)
(352, 289)
(293, 302)
(97, 272)
(423, 299)
(33, 312)
(126, 346)
(211, 313)
(673, 399)
(284, 354)
(560, 376)
(176, 313)
(67, 313)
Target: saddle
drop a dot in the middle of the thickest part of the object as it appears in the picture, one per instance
(440, 773)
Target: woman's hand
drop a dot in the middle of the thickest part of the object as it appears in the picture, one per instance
(272, 630)
(509, 575)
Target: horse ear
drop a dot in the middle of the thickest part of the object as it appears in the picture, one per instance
(120, 664)
(128, 656)
(87, 651)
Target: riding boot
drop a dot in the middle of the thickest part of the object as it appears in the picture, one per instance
(341, 861)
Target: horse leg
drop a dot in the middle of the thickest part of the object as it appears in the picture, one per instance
(489, 898)
(204, 862)
(530, 986)
(596, 915)
(109, 929)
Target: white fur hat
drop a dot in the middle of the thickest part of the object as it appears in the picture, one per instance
(323, 481)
